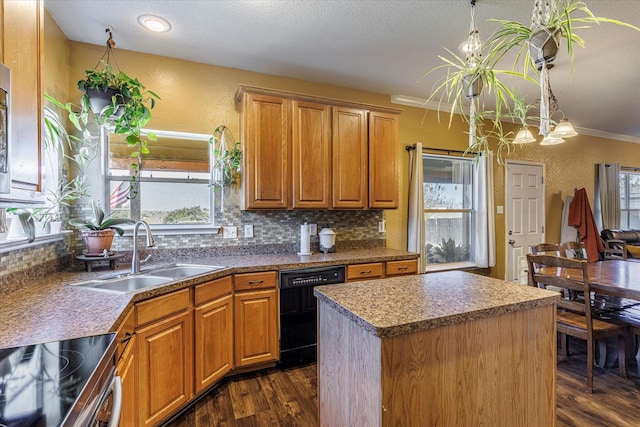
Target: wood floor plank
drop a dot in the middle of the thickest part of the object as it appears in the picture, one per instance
(247, 398)
(288, 398)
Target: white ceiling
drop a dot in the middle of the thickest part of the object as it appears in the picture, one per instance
(374, 45)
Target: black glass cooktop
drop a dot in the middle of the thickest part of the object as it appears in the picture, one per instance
(40, 384)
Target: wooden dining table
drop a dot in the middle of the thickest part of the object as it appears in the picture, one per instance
(611, 277)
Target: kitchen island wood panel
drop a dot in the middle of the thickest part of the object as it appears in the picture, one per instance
(441, 349)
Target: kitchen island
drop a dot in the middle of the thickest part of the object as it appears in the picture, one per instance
(442, 349)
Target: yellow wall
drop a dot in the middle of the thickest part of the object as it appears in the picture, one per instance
(198, 97)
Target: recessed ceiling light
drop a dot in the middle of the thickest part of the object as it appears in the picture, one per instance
(154, 23)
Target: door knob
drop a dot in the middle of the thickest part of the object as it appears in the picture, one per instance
(511, 242)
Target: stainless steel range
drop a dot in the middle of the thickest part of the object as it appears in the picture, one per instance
(298, 317)
(62, 383)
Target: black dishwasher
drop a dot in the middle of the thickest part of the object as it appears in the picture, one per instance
(298, 311)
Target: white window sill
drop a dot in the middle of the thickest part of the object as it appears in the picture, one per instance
(8, 245)
(431, 268)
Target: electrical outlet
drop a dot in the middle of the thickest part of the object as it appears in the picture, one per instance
(382, 226)
(248, 230)
(230, 232)
(313, 229)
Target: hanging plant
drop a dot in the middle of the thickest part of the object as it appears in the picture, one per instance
(127, 108)
(227, 158)
(537, 44)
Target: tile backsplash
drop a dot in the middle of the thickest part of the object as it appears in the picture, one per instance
(274, 231)
(275, 227)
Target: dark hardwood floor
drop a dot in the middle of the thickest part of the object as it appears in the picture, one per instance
(289, 398)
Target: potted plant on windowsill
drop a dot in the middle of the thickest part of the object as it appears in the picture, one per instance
(25, 225)
(98, 232)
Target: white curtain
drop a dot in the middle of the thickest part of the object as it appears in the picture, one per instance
(607, 197)
(415, 222)
(485, 242)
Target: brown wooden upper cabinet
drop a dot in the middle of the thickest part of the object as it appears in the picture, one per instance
(21, 49)
(311, 149)
(304, 152)
(266, 151)
(349, 157)
(383, 167)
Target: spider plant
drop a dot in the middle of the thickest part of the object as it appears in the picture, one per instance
(453, 89)
(562, 23)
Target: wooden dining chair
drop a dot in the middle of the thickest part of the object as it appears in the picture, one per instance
(573, 249)
(547, 249)
(575, 316)
(615, 249)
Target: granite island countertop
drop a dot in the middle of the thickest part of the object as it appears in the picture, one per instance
(42, 309)
(401, 305)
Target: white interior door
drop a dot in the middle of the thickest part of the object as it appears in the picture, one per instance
(524, 215)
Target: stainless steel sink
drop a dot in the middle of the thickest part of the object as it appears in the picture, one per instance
(181, 271)
(125, 284)
(154, 277)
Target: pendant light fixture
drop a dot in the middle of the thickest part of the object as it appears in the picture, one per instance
(564, 129)
(524, 136)
(550, 140)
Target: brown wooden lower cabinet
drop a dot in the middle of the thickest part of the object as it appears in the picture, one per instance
(256, 327)
(403, 267)
(213, 346)
(164, 351)
(373, 270)
(378, 270)
(256, 317)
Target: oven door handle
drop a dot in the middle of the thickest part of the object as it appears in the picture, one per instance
(116, 402)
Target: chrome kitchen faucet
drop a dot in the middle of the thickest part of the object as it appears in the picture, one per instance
(135, 257)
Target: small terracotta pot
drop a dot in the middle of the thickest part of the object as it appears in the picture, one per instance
(97, 241)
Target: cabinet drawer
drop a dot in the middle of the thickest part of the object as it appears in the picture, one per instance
(211, 290)
(250, 281)
(161, 307)
(396, 268)
(364, 271)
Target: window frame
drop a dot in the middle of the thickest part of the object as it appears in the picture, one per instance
(160, 229)
(626, 212)
(471, 211)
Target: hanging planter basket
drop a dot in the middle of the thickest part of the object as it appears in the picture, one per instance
(544, 44)
(472, 86)
(100, 99)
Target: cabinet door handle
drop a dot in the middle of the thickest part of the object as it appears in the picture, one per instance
(366, 272)
(127, 337)
(255, 282)
(403, 268)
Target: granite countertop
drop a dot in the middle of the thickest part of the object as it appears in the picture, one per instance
(45, 309)
(396, 306)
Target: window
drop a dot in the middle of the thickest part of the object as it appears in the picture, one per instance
(630, 199)
(174, 186)
(448, 211)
